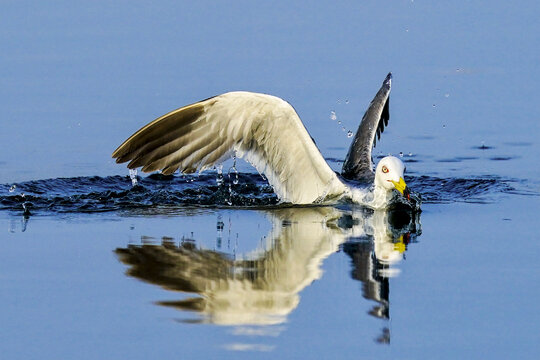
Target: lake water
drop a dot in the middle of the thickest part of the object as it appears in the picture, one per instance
(92, 267)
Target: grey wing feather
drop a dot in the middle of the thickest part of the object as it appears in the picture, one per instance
(358, 164)
(383, 122)
(160, 139)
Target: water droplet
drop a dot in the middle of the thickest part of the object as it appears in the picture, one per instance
(444, 126)
(401, 154)
(410, 154)
(446, 95)
(234, 174)
(333, 115)
(433, 105)
(133, 176)
(339, 122)
(219, 178)
(347, 101)
(349, 133)
(12, 188)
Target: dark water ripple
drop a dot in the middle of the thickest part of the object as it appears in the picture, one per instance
(477, 190)
(116, 193)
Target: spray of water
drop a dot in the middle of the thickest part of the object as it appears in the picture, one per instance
(133, 176)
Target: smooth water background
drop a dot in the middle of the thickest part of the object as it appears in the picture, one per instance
(78, 78)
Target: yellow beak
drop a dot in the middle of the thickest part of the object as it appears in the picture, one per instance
(400, 245)
(400, 185)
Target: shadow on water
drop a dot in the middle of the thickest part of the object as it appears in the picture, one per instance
(262, 287)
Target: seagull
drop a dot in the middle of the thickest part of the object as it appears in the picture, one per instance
(267, 132)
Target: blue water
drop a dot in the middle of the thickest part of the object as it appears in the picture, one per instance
(94, 267)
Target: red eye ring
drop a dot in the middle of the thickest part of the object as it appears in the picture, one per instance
(384, 169)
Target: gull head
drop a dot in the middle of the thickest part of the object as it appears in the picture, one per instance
(389, 176)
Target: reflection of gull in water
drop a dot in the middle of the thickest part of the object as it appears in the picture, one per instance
(374, 256)
(264, 287)
(267, 132)
(261, 289)
(376, 253)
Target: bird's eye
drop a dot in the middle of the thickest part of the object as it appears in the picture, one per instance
(384, 169)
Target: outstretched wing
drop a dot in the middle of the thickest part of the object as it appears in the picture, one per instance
(262, 129)
(358, 163)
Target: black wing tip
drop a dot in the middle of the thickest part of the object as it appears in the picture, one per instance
(388, 79)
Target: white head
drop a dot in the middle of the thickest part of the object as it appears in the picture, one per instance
(389, 175)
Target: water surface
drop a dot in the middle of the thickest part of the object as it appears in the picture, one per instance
(93, 267)
(155, 275)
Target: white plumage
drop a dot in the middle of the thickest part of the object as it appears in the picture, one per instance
(262, 129)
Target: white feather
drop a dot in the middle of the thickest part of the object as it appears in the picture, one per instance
(262, 129)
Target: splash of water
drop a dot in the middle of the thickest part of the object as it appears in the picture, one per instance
(133, 176)
(233, 172)
(219, 177)
(166, 193)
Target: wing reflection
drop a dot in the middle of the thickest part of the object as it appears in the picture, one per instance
(263, 287)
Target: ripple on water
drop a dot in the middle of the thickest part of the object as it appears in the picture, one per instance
(457, 159)
(116, 193)
(463, 158)
(518, 143)
(483, 147)
(501, 158)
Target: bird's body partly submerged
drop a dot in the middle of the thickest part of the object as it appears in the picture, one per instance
(267, 132)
